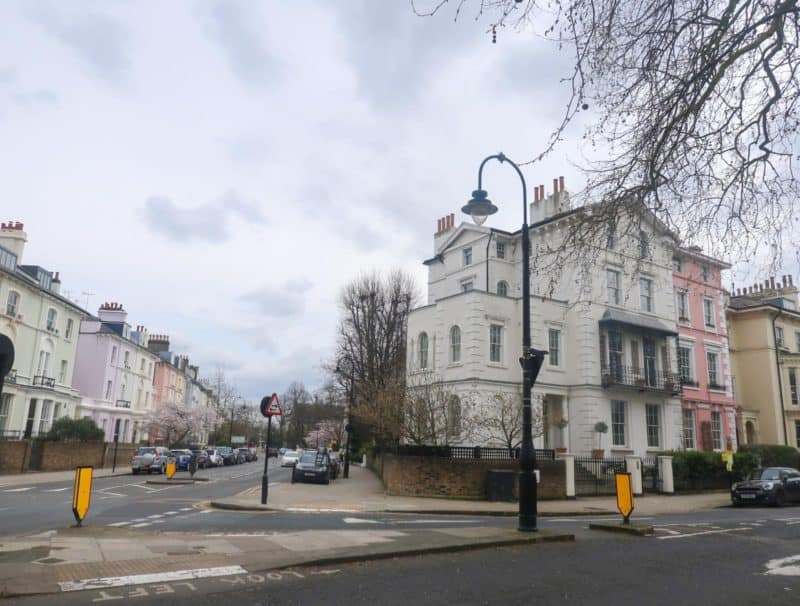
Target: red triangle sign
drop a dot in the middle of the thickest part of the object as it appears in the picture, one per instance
(274, 406)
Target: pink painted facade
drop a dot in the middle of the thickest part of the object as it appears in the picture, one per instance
(708, 406)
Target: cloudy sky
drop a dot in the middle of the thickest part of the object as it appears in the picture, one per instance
(223, 168)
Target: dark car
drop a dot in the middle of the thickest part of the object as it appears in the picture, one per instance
(771, 485)
(202, 459)
(229, 457)
(182, 458)
(244, 455)
(312, 467)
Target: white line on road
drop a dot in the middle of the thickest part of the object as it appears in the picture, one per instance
(57, 489)
(667, 530)
(186, 508)
(142, 525)
(359, 521)
(119, 524)
(19, 489)
(436, 522)
(155, 516)
(695, 534)
(588, 519)
(171, 513)
(142, 579)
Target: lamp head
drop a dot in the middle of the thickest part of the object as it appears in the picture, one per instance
(479, 207)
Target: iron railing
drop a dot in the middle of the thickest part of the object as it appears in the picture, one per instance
(123, 404)
(43, 381)
(641, 378)
(596, 476)
(470, 452)
(651, 474)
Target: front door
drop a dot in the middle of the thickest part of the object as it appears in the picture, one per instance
(31, 418)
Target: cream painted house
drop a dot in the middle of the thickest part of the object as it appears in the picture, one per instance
(43, 326)
(764, 325)
(608, 324)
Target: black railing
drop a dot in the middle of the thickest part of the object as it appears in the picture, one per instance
(123, 404)
(43, 381)
(641, 378)
(11, 377)
(717, 387)
(597, 476)
(689, 382)
(651, 474)
(470, 452)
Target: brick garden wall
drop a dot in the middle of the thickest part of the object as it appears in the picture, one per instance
(60, 456)
(442, 477)
(13, 456)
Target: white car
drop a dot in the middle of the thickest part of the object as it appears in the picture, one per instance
(290, 458)
(214, 457)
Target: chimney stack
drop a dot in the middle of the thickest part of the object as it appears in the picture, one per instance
(772, 282)
(561, 184)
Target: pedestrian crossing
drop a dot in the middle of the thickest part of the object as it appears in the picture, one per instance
(156, 518)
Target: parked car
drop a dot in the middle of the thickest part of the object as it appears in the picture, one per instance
(312, 467)
(150, 459)
(215, 457)
(182, 458)
(244, 455)
(771, 485)
(273, 451)
(202, 459)
(229, 457)
(254, 452)
(290, 457)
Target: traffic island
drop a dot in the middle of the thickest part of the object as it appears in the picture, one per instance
(640, 530)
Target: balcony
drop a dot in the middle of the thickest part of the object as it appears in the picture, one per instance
(42, 381)
(123, 404)
(640, 378)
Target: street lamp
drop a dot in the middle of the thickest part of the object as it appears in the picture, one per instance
(480, 207)
(348, 426)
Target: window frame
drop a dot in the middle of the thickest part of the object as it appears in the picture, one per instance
(554, 356)
(716, 433)
(13, 311)
(619, 407)
(466, 256)
(467, 286)
(422, 350)
(709, 313)
(646, 294)
(652, 429)
(793, 394)
(504, 285)
(69, 328)
(690, 376)
(682, 295)
(52, 319)
(62, 372)
(496, 343)
(500, 249)
(712, 383)
(616, 288)
(689, 433)
(779, 336)
(455, 344)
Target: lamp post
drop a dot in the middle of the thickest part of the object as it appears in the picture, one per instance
(233, 412)
(480, 207)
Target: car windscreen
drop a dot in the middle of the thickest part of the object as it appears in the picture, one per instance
(211, 452)
(767, 474)
(143, 451)
(308, 459)
(290, 453)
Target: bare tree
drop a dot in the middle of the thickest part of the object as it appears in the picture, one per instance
(293, 423)
(501, 420)
(369, 364)
(692, 104)
(434, 414)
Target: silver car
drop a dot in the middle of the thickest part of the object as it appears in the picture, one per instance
(150, 459)
(290, 458)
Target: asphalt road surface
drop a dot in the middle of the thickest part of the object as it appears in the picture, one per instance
(735, 557)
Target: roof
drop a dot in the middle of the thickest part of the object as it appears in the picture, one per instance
(617, 316)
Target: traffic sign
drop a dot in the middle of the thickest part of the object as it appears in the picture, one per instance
(171, 467)
(271, 406)
(82, 492)
(624, 495)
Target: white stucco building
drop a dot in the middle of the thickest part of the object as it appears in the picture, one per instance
(43, 327)
(608, 323)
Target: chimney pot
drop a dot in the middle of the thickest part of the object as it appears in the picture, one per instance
(789, 277)
(561, 184)
(452, 219)
(438, 225)
(555, 186)
(772, 282)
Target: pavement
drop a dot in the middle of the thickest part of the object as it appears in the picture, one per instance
(46, 477)
(70, 559)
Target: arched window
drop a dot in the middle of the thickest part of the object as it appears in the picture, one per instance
(454, 416)
(455, 344)
(12, 306)
(502, 288)
(423, 350)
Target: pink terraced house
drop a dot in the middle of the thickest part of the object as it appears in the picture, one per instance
(708, 407)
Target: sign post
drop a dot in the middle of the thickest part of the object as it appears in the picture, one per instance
(82, 493)
(270, 407)
(624, 495)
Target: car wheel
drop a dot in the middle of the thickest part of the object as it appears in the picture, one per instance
(780, 499)
(327, 480)
(149, 471)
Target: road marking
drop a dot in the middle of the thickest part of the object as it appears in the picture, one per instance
(359, 521)
(142, 579)
(171, 513)
(119, 524)
(155, 516)
(314, 510)
(603, 519)
(4, 508)
(57, 489)
(27, 488)
(782, 566)
(187, 508)
(436, 522)
(667, 530)
(142, 525)
(696, 534)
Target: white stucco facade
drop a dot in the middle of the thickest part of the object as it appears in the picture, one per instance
(612, 349)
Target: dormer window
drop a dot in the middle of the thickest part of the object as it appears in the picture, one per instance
(467, 255)
(8, 260)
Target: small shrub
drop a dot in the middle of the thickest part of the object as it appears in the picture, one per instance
(75, 430)
(773, 455)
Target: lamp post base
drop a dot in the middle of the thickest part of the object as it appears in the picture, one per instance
(527, 501)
